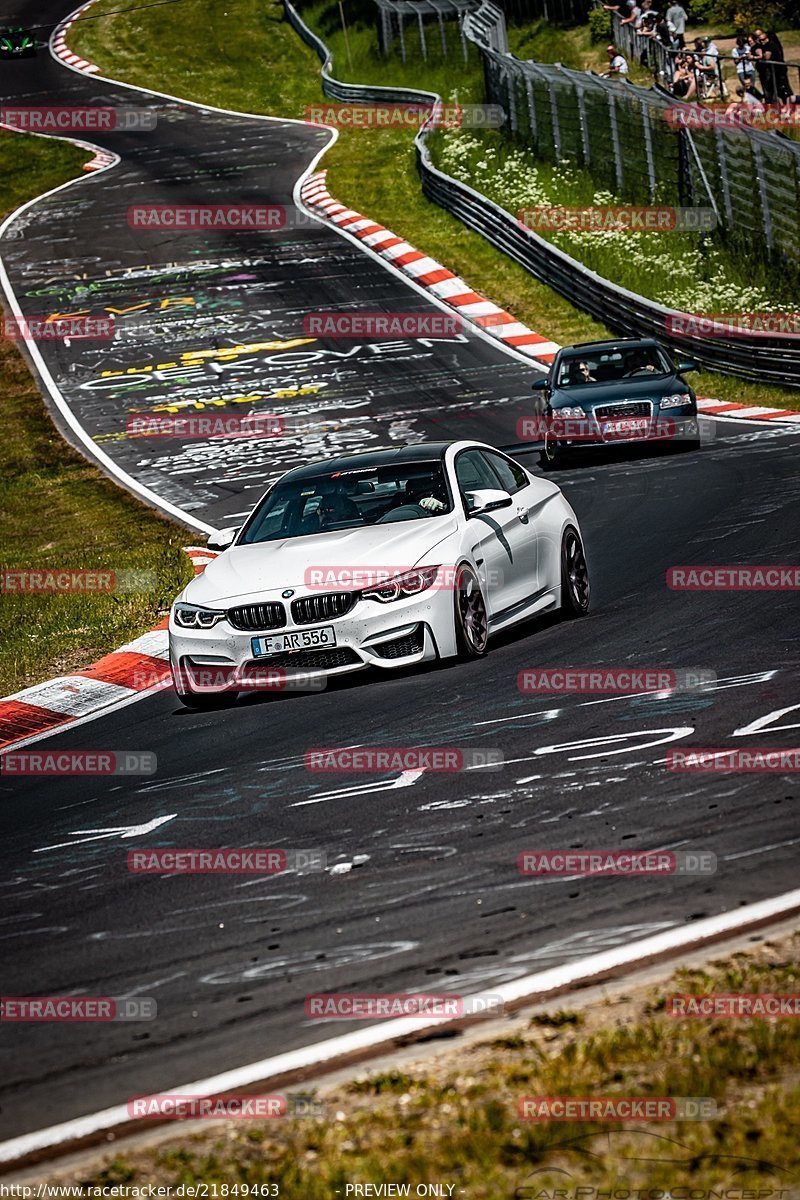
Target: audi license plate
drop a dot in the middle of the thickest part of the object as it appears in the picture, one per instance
(626, 427)
(303, 639)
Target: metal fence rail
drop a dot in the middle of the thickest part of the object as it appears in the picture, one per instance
(776, 360)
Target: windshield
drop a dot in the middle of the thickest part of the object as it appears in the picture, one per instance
(610, 365)
(380, 495)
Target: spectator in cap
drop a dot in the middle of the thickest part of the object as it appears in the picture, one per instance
(617, 66)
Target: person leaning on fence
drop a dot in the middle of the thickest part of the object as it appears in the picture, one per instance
(676, 15)
(617, 65)
(742, 55)
(772, 50)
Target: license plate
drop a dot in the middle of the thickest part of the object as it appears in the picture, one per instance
(626, 427)
(301, 639)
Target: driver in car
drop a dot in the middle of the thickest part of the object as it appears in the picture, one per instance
(641, 361)
(423, 492)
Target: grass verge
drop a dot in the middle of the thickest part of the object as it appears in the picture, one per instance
(61, 512)
(250, 59)
(453, 1118)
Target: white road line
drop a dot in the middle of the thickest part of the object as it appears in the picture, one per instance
(537, 985)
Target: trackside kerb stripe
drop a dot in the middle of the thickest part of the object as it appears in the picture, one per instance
(460, 297)
(138, 668)
(536, 987)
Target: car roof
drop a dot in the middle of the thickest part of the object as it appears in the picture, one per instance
(417, 452)
(622, 343)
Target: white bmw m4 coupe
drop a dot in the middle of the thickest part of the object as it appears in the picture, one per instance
(383, 559)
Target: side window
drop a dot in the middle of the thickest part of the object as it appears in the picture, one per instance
(474, 473)
(511, 475)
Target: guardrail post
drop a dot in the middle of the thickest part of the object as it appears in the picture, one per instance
(612, 117)
(766, 215)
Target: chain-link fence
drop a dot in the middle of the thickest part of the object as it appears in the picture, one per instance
(622, 136)
(424, 28)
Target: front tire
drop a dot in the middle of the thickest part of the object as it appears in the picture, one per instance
(575, 588)
(551, 455)
(471, 618)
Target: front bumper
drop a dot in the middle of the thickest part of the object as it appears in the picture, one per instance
(412, 630)
(667, 427)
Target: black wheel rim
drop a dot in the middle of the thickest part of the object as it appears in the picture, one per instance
(472, 612)
(577, 571)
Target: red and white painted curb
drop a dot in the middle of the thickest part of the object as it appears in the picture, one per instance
(101, 160)
(428, 273)
(138, 668)
(750, 412)
(58, 44)
(470, 305)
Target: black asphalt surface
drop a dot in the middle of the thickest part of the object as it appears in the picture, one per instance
(174, 294)
(433, 900)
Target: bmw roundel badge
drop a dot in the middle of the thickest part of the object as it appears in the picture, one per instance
(289, 592)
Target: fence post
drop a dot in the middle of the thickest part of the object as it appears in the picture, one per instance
(443, 36)
(422, 44)
(722, 160)
(762, 193)
(401, 31)
(612, 116)
(648, 146)
(585, 141)
(531, 107)
(551, 88)
(512, 101)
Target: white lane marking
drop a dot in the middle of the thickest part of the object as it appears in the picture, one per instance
(720, 685)
(539, 984)
(760, 850)
(547, 714)
(405, 779)
(764, 724)
(119, 831)
(672, 735)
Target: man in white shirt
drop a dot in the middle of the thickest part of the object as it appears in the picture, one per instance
(677, 17)
(616, 63)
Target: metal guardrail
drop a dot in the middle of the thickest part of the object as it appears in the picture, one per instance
(776, 360)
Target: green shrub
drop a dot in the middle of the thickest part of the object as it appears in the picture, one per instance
(599, 24)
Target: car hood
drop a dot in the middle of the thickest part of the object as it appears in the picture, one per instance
(618, 391)
(272, 566)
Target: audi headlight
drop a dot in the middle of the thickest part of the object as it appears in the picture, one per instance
(409, 584)
(676, 401)
(189, 616)
(569, 413)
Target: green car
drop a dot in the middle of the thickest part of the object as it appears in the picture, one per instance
(610, 394)
(16, 42)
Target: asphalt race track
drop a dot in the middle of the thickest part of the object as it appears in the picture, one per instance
(433, 900)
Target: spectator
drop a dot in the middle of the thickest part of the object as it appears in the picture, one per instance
(708, 67)
(773, 53)
(684, 84)
(676, 15)
(746, 101)
(617, 66)
(764, 69)
(742, 56)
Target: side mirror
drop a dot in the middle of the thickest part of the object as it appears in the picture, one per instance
(686, 365)
(223, 538)
(541, 385)
(486, 501)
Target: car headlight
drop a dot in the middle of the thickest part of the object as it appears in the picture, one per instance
(409, 584)
(189, 616)
(676, 401)
(569, 413)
